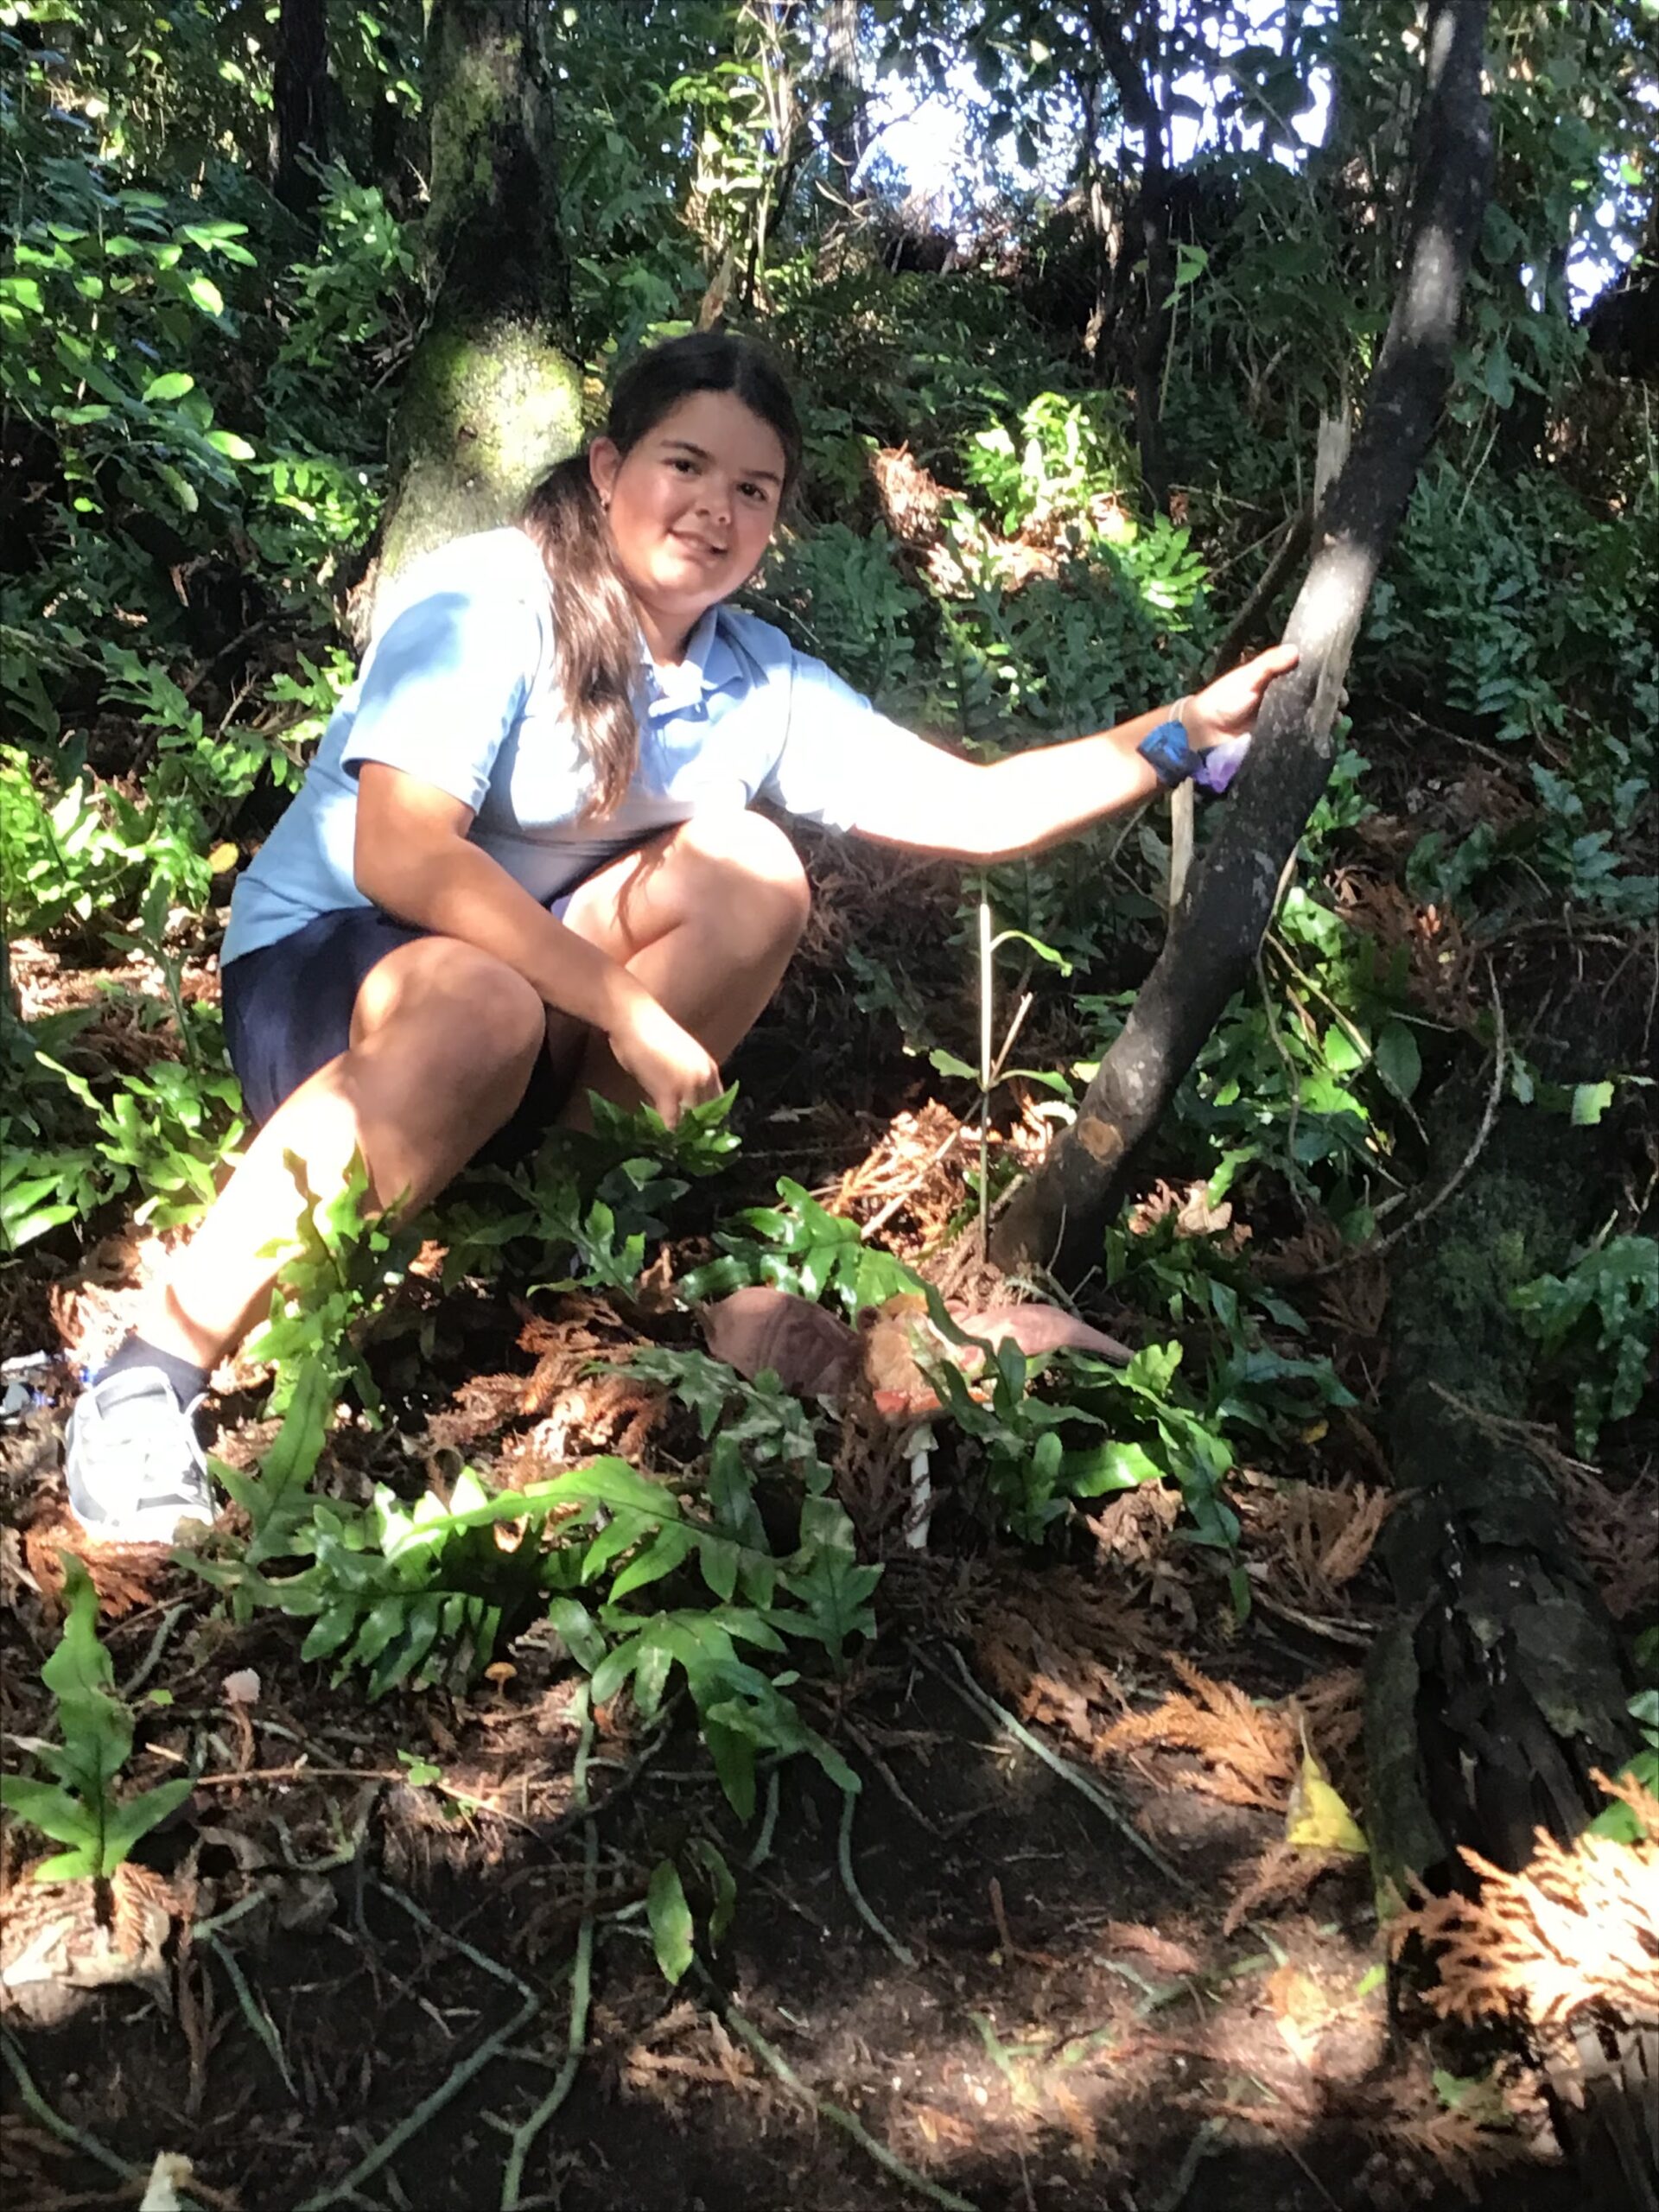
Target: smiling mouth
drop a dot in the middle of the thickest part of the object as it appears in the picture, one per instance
(699, 548)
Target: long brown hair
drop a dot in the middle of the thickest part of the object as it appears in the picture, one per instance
(596, 628)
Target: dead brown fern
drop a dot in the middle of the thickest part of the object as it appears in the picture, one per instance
(1617, 1530)
(1249, 1753)
(1282, 1875)
(1575, 1928)
(1052, 1645)
(1317, 1536)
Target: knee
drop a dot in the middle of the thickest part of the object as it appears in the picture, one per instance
(757, 885)
(474, 1013)
(499, 1018)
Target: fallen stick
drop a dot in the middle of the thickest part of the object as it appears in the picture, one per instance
(1084, 1784)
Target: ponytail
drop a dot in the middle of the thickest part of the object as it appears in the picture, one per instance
(595, 625)
(596, 630)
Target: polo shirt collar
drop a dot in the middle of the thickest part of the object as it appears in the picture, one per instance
(710, 665)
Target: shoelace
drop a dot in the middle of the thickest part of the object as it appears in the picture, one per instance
(123, 1429)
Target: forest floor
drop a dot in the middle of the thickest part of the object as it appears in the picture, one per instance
(1063, 1957)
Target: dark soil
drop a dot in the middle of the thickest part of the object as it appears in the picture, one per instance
(1075, 2052)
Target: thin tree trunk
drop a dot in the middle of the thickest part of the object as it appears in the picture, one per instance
(299, 127)
(1055, 1220)
(1098, 213)
(1143, 115)
(492, 399)
(847, 133)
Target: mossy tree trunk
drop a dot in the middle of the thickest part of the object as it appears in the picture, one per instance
(1498, 1688)
(1499, 1685)
(492, 398)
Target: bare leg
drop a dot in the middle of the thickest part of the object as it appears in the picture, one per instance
(707, 918)
(443, 1040)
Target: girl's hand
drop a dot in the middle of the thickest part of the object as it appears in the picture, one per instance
(1227, 707)
(666, 1061)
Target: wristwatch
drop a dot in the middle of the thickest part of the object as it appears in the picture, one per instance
(1171, 754)
(1211, 767)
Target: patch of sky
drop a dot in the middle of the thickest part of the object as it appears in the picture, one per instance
(935, 141)
(934, 144)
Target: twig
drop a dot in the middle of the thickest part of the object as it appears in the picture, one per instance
(884, 1214)
(252, 2010)
(837, 2115)
(991, 1064)
(581, 1978)
(1292, 1074)
(967, 1689)
(861, 1904)
(1273, 578)
(1350, 1028)
(891, 1780)
(147, 1666)
(1534, 1437)
(1333, 1631)
(300, 1772)
(65, 2130)
(342, 2191)
(1026, 1002)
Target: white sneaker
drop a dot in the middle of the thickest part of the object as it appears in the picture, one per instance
(132, 1464)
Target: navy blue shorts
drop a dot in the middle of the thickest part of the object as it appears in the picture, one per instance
(288, 1006)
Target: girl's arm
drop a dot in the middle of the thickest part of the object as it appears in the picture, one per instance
(974, 811)
(412, 857)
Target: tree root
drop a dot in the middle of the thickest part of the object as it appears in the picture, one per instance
(65, 2130)
(971, 1692)
(345, 2190)
(581, 1978)
(861, 1904)
(837, 2115)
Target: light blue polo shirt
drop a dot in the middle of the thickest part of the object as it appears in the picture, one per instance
(459, 688)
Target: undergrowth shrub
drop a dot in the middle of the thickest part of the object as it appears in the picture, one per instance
(1516, 610)
(1313, 1080)
(163, 1137)
(81, 1807)
(1598, 1323)
(423, 1593)
(851, 606)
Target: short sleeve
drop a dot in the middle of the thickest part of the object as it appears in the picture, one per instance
(837, 748)
(443, 687)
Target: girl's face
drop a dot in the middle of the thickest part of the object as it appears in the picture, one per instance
(691, 506)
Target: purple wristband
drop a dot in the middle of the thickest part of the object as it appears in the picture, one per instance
(1219, 764)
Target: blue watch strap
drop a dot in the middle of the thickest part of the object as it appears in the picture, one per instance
(1171, 756)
